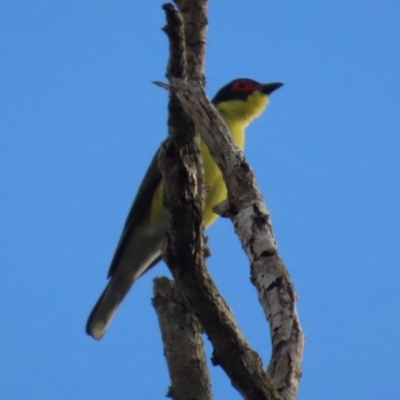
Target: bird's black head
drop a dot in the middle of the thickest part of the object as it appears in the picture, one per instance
(240, 89)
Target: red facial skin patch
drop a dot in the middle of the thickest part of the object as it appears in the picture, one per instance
(243, 85)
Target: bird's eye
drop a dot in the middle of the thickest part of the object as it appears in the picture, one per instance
(243, 86)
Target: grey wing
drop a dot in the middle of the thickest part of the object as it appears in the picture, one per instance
(140, 205)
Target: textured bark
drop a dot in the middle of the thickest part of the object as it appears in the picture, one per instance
(184, 257)
(251, 218)
(231, 349)
(180, 164)
(194, 13)
(175, 30)
(183, 344)
(184, 253)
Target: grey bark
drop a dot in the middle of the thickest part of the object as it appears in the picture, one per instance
(251, 219)
(183, 344)
(181, 332)
(181, 167)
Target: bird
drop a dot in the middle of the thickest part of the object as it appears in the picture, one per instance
(139, 247)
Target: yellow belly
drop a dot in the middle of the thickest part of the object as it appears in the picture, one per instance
(215, 186)
(216, 189)
(237, 115)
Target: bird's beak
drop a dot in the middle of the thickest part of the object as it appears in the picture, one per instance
(268, 88)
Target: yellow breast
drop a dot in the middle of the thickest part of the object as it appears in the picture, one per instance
(215, 186)
(237, 114)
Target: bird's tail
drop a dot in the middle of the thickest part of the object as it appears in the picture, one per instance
(107, 305)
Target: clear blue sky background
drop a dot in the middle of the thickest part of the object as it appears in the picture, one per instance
(80, 120)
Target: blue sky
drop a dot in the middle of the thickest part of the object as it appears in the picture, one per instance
(80, 120)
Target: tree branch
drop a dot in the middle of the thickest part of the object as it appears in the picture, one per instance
(184, 257)
(183, 344)
(194, 13)
(251, 218)
(180, 163)
(175, 30)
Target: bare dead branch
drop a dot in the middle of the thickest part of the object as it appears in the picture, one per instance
(180, 163)
(194, 13)
(231, 349)
(185, 244)
(183, 344)
(186, 363)
(251, 218)
(175, 30)
(184, 257)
